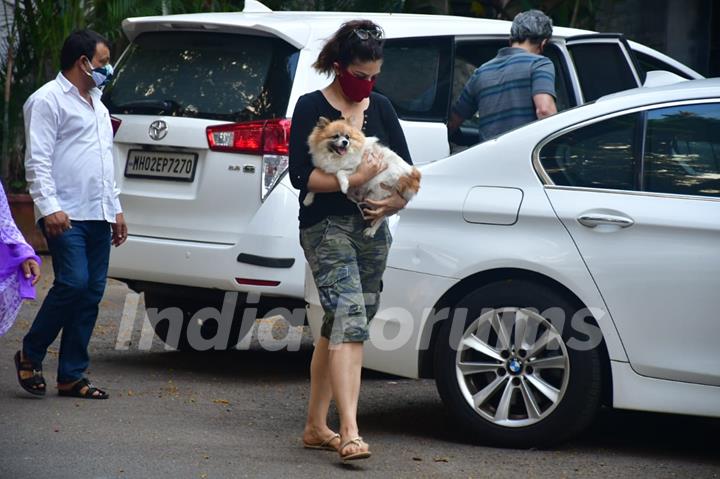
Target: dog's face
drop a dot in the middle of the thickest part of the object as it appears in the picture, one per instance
(335, 138)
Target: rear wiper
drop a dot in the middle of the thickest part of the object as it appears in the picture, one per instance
(166, 107)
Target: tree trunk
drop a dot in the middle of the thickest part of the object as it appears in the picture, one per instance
(573, 20)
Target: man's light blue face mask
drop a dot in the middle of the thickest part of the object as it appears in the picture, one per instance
(100, 75)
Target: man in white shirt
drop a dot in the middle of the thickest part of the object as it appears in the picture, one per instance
(70, 173)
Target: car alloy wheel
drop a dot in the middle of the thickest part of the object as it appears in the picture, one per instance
(512, 366)
(504, 371)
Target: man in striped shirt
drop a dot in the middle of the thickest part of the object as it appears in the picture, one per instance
(514, 88)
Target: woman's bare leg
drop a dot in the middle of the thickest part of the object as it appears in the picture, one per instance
(316, 428)
(345, 371)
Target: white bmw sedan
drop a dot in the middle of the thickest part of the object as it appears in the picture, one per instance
(567, 264)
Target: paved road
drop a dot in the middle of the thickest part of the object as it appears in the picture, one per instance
(239, 414)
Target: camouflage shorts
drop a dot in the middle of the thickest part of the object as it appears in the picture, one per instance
(347, 268)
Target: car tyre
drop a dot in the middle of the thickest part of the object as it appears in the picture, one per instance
(503, 412)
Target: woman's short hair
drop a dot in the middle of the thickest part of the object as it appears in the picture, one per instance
(356, 40)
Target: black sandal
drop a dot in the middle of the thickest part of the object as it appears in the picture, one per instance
(76, 391)
(35, 384)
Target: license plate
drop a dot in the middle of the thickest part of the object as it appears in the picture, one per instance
(161, 165)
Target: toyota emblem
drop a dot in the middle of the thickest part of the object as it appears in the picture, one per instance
(158, 130)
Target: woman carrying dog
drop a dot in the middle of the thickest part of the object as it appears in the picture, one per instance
(347, 266)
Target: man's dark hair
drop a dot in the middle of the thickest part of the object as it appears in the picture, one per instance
(79, 43)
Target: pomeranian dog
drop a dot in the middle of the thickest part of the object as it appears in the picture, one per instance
(337, 148)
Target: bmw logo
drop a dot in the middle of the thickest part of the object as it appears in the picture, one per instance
(515, 366)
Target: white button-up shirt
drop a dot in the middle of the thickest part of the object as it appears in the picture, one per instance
(69, 153)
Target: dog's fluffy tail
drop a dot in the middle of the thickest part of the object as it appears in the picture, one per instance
(408, 185)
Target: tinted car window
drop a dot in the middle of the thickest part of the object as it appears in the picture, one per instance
(469, 55)
(416, 77)
(602, 68)
(204, 75)
(648, 63)
(682, 150)
(601, 155)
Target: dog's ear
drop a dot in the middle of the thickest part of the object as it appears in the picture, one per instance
(323, 122)
(409, 185)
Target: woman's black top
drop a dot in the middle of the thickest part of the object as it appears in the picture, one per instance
(380, 121)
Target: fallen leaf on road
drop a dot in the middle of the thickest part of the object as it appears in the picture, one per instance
(417, 458)
(130, 393)
(441, 459)
(221, 401)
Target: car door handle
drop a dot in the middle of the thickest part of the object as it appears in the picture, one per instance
(593, 220)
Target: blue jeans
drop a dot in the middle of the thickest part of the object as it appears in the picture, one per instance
(80, 263)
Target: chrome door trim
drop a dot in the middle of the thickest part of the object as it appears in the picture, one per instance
(547, 181)
(633, 193)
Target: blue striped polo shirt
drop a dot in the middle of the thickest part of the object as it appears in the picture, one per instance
(502, 90)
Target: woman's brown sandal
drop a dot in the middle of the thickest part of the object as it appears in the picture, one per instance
(83, 389)
(358, 441)
(323, 445)
(34, 384)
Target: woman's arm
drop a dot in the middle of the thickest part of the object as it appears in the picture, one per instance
(321, 182)
(303, 121)
(396, 136)
(396, 139)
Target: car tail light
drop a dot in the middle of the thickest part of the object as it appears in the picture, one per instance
(115, 124)
(270, 138)
(267, 137)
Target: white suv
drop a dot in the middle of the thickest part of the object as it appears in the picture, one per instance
(201, 105)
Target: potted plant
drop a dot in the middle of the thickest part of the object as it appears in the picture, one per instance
(22, 209)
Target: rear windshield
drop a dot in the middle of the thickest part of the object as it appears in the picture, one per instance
(215, 76)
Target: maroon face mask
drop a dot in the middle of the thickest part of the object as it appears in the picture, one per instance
(356, 89)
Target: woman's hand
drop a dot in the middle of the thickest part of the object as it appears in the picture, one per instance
(31, 269)
(371, 166)
(387, 207)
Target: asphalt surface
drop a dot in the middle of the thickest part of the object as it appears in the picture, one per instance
(241, 413)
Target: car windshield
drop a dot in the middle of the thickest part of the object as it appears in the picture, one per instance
(217, 76)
